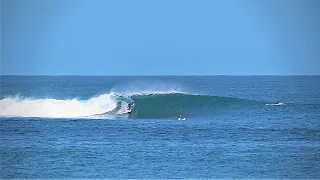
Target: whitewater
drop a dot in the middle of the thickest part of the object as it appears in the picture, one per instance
(56, 108)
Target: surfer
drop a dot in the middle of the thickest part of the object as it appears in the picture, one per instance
(130, 105)
(279, 102)
(129, 108)
(180, 118)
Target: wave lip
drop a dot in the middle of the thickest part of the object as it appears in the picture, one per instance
(146, 92)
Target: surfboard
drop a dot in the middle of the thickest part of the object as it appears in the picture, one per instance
(182, 118)
(276, 104)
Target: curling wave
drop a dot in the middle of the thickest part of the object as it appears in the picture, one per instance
(159, 105)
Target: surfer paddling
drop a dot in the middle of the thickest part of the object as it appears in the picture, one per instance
(180, 118)
(278, 103)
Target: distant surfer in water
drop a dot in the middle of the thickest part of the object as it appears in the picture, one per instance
(276, 103)
(180, 118)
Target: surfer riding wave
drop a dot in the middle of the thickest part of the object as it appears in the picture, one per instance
(129, 109)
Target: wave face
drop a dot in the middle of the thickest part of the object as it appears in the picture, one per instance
(159, 105)
(173, 104)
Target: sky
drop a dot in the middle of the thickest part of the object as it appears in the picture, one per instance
(160, 37)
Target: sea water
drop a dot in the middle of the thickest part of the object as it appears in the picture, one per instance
(78, 127)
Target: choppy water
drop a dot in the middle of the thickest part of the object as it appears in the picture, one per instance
(77, 127)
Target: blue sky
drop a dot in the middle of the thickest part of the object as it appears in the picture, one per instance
(160, 37)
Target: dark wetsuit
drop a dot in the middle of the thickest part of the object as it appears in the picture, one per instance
(130, 109)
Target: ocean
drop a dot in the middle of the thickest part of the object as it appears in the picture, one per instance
(78, 127)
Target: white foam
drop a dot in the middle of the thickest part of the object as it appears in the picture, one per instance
(55, 108)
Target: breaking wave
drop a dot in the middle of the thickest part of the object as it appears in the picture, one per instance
(148, 105)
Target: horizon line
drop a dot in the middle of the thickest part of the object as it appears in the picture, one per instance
(159, 75)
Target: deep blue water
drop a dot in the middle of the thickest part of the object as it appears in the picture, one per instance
(49, 127)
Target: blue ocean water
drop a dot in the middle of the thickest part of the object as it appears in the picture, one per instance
(78, 127)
